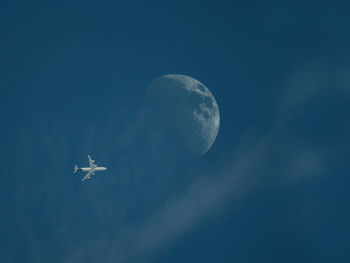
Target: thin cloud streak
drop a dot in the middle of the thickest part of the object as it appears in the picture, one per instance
(209, 193)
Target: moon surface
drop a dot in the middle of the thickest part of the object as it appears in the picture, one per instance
(187, 110)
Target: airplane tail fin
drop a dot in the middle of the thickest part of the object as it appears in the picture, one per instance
(76, 169)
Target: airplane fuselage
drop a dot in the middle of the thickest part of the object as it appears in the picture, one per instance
(96, 169)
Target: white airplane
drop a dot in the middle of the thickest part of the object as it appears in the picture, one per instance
(91, 170)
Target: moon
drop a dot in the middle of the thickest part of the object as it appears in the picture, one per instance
(186, 109)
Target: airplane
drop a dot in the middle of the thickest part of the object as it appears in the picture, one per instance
(91, 170)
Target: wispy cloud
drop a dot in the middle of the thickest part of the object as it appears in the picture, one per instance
(209, 192)
(169, 216)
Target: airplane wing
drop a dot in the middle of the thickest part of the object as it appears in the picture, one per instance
(87, 176)
(91, 162)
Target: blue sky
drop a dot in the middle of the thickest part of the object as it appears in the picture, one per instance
(274, 186)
